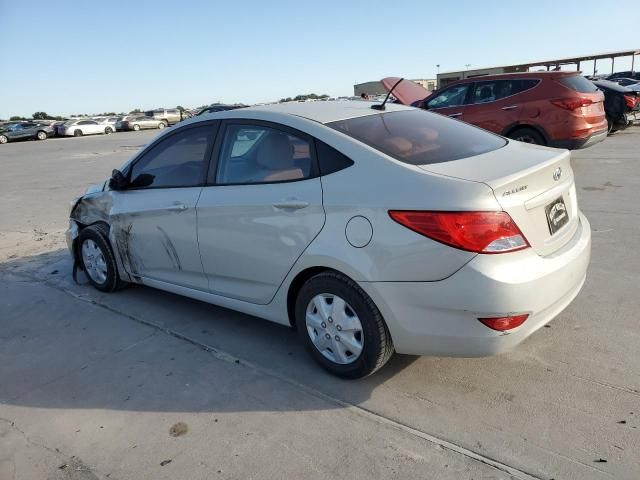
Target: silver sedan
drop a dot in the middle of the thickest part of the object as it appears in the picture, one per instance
(370, 230)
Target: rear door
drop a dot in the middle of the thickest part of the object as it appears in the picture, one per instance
(154, 219)
(261, 208)
(451, 102)
(498, 104)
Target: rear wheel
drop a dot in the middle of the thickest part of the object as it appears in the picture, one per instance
(165, 123)
(341, 326)
(4, 139)
(41, 135)
(527, 135)
(97, 259)
(108, 131)
(77, 133)
(161, 125)
(136, 127)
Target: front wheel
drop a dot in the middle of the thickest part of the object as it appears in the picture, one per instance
(4, 139)
(136, 127)
(527, 135)
(161, 125)
(341, 326)
(77, 133)
(108, 131)
(96, 258)
(41, 135)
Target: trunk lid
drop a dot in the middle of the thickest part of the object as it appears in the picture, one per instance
(407, 92)
(527, 181)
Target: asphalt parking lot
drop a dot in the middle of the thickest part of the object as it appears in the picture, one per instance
(146, 384)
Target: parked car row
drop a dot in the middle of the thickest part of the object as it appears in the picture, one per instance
(556, 109)
(159, 118)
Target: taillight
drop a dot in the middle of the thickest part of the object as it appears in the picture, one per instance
(480, 232)
(502, 324)
(572, 103)
(630, 101)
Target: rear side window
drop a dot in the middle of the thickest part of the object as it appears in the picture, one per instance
(418, 137)
(330, 159)
(579, 84)
(494, 90)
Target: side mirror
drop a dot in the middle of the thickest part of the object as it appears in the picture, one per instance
(118, 181)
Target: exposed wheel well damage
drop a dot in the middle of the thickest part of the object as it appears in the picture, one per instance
(296, 285)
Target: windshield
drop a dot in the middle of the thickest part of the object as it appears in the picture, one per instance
(418, 137)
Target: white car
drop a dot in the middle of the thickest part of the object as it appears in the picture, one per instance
(370, 231)
(80, 127)
(108, 122)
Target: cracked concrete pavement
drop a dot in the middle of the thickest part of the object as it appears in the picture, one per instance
(93, 383)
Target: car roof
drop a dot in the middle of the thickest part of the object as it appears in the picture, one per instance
(506, 76)
(326, 111)
(616, 87)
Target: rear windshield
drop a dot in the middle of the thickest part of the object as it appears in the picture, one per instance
(418, 137)
(579, 84)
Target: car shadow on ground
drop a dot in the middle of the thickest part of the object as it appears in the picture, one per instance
(70, 346)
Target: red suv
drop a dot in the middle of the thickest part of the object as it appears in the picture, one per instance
(558, 109)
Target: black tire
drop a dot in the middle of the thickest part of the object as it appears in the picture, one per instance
(4, 139)
(162, 125)
(166, 123)
(99, 233)
(377, 343)
(77, 133)
(136, 127)
(527, 135)
(41, 135)
(108, 131)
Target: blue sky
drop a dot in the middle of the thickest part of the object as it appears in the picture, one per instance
(71, 56)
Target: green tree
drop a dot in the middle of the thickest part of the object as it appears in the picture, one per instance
(136, 110)
(40, 116)
(16, 118)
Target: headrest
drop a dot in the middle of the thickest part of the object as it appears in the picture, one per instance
(275, 152)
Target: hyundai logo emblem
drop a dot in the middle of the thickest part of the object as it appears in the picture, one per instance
(557, 173)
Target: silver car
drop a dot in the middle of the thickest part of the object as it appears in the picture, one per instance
(138, 122)
(370, 231)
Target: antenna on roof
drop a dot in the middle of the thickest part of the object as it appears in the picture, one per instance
(381, 106)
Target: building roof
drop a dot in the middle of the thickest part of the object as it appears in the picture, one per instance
(559, 61)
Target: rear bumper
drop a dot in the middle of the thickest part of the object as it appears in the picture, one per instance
(577, 143)
(441, 318)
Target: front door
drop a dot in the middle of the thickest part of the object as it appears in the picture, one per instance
(153, 221)
(261, 211)
(450, 102)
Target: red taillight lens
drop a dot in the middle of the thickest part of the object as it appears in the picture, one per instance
(572, 103)
(480, 232)
(630, 101)
(502, 324)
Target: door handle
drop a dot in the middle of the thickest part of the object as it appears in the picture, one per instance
(454, 115)
(177, 207)
(511, 107)
(291, 205)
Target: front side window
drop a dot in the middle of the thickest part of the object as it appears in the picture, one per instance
(418, 137)
(260, 154)
(177, 161)
(452, 97)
